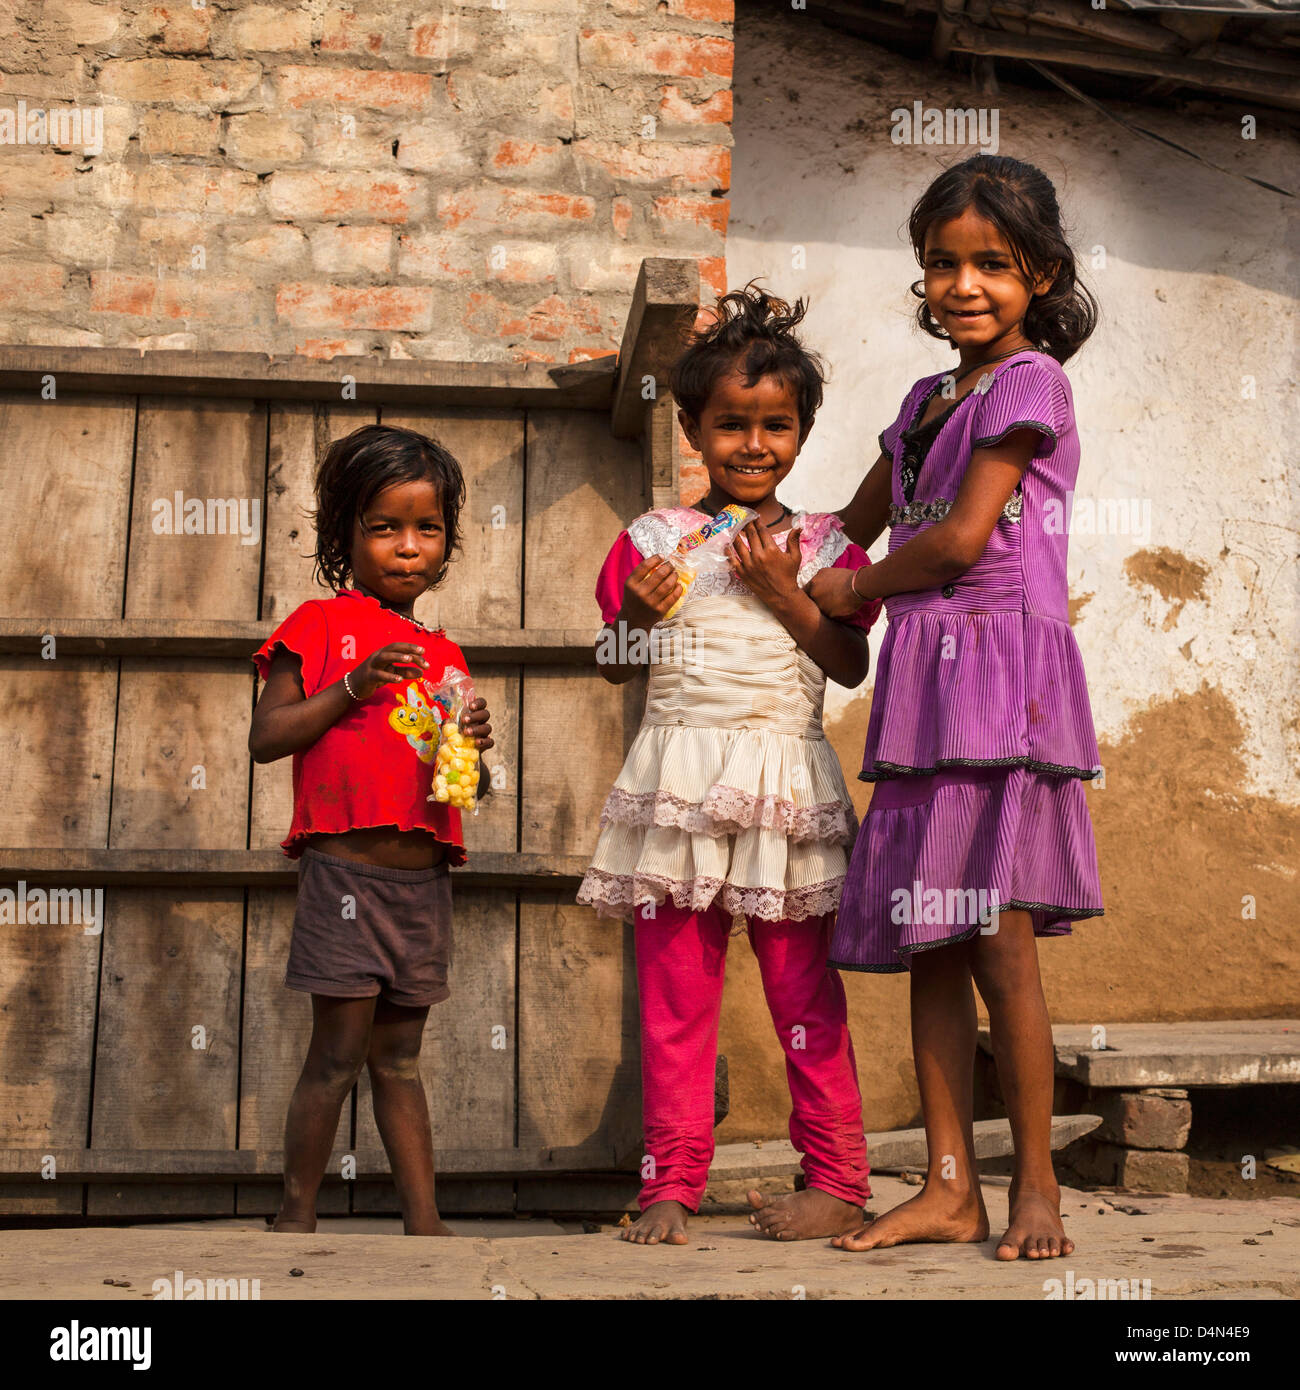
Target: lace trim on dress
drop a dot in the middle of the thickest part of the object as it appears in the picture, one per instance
(728, 810)
(618, 895)
(916, 512)
(656, 533)
(883, 772)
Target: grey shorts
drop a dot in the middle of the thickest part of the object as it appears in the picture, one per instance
(361, 930)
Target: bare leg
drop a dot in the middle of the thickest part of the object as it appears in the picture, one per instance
(949, 1207)
(402, 1114)
(1005, 966)
(339, 1038)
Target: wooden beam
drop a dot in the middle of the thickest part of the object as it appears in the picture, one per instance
(664, 305)
(254, 868)
(1275, 89)
(204, 1165)
(659, 452)
(173, 637)
(508, 385)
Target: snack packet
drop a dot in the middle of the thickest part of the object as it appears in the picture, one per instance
(703, 548)
(456, 766)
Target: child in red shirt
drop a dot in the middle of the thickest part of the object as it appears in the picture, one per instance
(349, 687)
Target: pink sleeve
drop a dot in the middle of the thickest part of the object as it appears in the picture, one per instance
(854, 557)
(622, 559)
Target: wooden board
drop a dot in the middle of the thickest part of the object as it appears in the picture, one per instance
(276, 1031)
(579, 1054)
(467, 1059)
(169, 968)
(65, 464)
(47, 1028)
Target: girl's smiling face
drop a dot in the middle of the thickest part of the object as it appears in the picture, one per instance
(399, 543)
(975, 290)
(748, 435)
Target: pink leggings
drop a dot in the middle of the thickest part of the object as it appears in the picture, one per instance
(680, 959)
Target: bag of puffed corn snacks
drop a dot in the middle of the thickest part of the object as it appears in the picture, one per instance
(456, 765)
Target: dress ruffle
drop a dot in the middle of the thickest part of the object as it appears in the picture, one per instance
(937, 853)
(699, 814)
(984, 689)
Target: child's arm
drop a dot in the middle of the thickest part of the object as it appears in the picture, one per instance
(772, 574)
(284, 721)
(946, 549)
(651, 590)
(868, 514)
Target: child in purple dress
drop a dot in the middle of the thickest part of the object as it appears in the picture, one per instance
(978, 839)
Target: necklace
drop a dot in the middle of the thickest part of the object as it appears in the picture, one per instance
(966, 371)
(703, 506)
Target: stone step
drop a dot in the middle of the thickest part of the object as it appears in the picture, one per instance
(890, 1151)
(1136, 1056)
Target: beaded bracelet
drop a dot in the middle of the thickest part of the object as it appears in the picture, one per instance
(348, 688)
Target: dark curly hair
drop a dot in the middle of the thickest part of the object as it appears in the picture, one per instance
(356, 469)
(1020, 201)
(754, 331)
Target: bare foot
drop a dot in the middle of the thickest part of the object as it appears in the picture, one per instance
(294, 1225)
(808, 1215)
(1035, 1231)
(660, 1221)
(929, 1216)
(436, 1227)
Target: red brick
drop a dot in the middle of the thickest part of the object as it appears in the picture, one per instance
(719, 11)
(495, 207)
(352, 250)
(341, 306)
(672, 55)
(346, 32)
(702, 212)
(325, 348)
(300, 195)
(176, 132)
(656, 161)
(693, 483)
(530, 156)
(195, 188)
(591, 354)
(675, 108)
(552, 319)
(434, 36)
(176, 297)
(381, 91)
(430, 256)
(266, 29)
(171, 80)
(621, 216)
(523, 263)
(532, 355)
(178, 28)
(491, 317)
(31, 285)
(713, 276)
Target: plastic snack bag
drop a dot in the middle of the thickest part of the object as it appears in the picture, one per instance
(704, 548)
(456, 765)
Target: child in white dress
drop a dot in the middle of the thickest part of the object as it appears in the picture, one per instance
(731, 806)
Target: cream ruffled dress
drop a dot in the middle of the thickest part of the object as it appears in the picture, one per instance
(730, 792)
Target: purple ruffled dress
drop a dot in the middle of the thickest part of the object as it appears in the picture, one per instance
(981, 734)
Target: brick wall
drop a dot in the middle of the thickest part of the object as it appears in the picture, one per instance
(473, 181)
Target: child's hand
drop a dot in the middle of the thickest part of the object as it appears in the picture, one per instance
(399, 661)
(651, 590)
(476, 722)
(767, 571)
(832, 591)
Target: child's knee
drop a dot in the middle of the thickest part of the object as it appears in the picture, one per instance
(391, 1066)
(335, 1069)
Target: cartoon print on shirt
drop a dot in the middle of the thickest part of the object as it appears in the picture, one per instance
(418, 720)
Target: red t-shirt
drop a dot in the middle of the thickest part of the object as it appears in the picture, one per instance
(375, 766)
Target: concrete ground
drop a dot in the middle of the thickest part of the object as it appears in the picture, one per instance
(1188, 1247)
